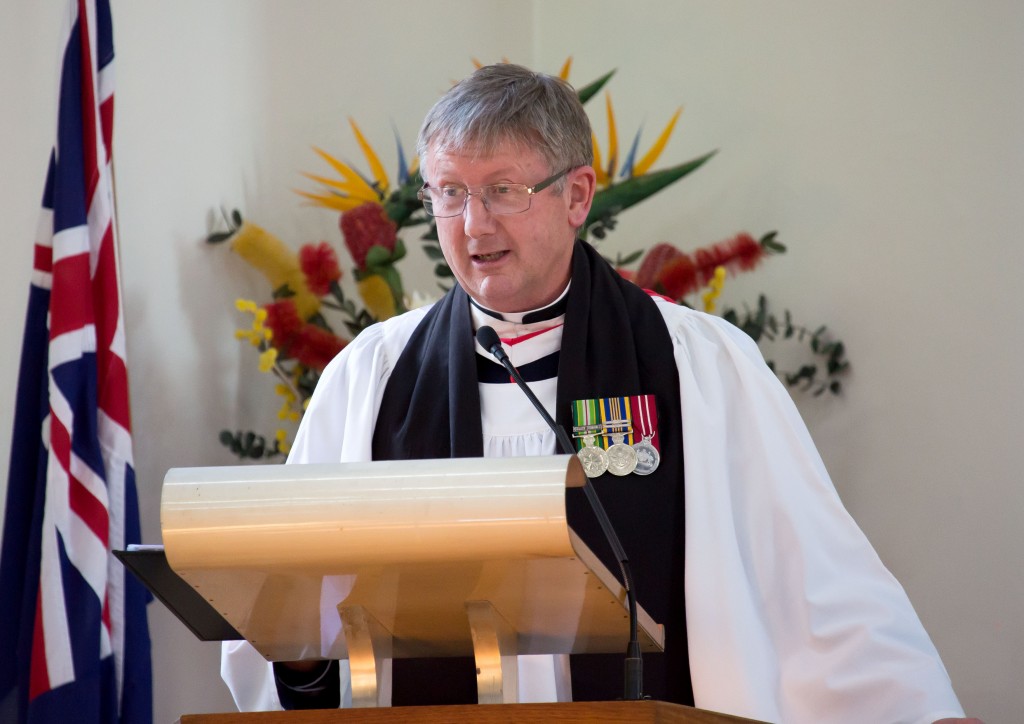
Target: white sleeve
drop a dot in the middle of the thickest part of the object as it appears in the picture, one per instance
(791, 616)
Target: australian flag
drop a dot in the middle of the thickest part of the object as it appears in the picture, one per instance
(74, 642)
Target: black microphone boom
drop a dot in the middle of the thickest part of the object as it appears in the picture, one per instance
(634, 673)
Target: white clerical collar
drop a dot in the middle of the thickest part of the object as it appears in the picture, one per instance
(543, 314)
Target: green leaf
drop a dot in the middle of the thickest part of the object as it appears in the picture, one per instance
(283, 292)
(236, 217)
(433, 253)
(399, 251)
(613, 199)
(219, 236)
(443, 271)
(769, 244)
(629, 258)
(403, 207)
(589, 91)
(377, 256)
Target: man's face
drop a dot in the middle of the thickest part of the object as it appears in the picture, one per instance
(510, 262)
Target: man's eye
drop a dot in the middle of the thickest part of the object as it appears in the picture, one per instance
(450, 192)
(500, 189)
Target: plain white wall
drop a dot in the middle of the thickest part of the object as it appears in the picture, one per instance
(881, 140)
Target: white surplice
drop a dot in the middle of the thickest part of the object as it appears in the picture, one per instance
(791, 616)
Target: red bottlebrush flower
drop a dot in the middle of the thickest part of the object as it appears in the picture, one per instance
(740, 253)
(314, 346)
(668, 270)
(657, 256)
(284, 321)
(748, 252)
(364, 227)
(320, 265)
(678, 277)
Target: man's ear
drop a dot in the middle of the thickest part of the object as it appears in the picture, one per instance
(582, 184)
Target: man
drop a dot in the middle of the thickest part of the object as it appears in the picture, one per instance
(775, 605)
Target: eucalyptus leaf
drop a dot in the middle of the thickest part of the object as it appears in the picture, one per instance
(629, 258)
(433, 253)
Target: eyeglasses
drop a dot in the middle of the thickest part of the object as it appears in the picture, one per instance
(444, 202)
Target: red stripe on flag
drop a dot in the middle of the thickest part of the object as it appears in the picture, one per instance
(43, 260)
(39, 677)
(105, 291)
(71, 287)
(112, 375)
(114, 392)
(60, 442)
(89, 130)
(87, 507)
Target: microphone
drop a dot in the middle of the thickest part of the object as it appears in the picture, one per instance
(634, 667)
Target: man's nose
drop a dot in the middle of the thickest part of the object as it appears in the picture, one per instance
(477, 219)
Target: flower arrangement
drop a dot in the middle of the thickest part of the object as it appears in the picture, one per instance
(296, 339)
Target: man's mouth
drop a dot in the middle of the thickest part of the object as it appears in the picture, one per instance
(485, 258)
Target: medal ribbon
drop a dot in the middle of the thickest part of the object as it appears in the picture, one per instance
(601, 418)
(644, 409)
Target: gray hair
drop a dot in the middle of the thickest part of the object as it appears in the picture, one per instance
(505, 104)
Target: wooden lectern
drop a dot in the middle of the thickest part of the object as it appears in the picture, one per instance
(372, 561)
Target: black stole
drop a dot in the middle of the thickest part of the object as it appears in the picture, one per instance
(614, 343)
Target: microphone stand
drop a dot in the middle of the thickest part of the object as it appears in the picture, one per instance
(633, 687)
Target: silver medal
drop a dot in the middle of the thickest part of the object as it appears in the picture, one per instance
(647, 457)
(593, 458)
(622, 459)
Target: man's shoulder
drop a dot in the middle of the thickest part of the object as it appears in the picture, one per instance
(690, 328)
(384, 340)
(393, 332)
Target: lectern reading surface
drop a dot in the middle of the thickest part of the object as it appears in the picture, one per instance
(370, 561)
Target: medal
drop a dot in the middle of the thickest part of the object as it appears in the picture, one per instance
(647, 456)
(594, 459)
(621, 457)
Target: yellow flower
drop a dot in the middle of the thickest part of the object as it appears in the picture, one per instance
(715, 285)
(377, 296)
(258, 333)
(279, 264)
(353, 189)
(282, 441)
(268, 358)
